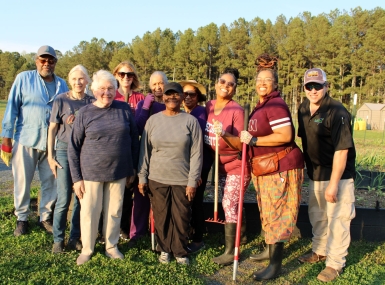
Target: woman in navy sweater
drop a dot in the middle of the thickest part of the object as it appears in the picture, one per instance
(103, 155)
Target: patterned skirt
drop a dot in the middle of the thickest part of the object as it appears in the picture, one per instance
(278, 197)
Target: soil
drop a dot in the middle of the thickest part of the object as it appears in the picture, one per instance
(364, 197)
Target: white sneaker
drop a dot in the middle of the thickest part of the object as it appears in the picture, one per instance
(182, 260)
(164, 257)
(114, 253)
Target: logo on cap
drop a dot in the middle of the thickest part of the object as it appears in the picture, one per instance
(313, 73)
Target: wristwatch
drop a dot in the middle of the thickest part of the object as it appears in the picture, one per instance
(253, 141)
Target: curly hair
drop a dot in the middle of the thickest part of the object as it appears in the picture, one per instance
(267, 62)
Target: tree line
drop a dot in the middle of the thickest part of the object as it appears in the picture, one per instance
(349, 46)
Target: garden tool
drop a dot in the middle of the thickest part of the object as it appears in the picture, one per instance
(241, 194)
(215, 219)
(152, 228)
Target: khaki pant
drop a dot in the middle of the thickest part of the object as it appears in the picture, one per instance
(331, 221)
(24, 162)
(106, 195)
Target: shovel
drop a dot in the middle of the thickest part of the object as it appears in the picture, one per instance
(215, 219)
(241, 194)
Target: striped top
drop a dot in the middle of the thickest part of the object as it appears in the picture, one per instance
(268, 116)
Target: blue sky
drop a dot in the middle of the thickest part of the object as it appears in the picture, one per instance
(26, 25)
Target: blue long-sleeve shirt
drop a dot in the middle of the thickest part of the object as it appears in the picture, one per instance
(26, 117)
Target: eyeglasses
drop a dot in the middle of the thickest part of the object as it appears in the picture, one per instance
(45, 60)
(264, 80)
(129, 74)
(316, 86)
(104, 89)
(228, 83)
(172, 94)
(191, 94)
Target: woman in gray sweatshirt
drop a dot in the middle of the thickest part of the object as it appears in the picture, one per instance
(170, 163)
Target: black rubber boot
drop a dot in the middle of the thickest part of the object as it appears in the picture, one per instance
(243, 239)
(264, 255)
(274, 268)
(228, 256)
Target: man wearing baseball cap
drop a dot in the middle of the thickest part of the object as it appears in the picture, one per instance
(325, 130)
(26, 121)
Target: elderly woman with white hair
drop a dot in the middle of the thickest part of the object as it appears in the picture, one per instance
(64, 110)
(103, 154)
(153, 102)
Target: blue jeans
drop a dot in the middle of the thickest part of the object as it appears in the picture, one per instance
(64, 193)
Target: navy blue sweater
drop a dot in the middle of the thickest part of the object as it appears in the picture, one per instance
(104, 144)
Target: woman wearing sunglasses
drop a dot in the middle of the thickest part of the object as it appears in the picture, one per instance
(225, 118)
(271, 131)
(193, 94)
(128, 82)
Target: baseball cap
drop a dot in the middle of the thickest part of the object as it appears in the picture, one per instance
(46, 50)
(173, 86)
(316, 75)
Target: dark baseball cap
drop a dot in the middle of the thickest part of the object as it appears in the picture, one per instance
(316, 75)
(173, 86)
(46, 50)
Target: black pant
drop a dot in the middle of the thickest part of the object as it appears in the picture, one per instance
(172, 214)
(125, 222)
(198, 218)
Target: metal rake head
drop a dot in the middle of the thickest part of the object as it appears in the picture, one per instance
(212, 220)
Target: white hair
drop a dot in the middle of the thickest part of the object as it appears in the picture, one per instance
(82, 69)
(102, 75)
(161, 73)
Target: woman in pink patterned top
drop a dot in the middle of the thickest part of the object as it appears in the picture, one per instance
(226, 118)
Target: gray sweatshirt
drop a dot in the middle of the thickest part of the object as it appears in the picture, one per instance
(171, 150)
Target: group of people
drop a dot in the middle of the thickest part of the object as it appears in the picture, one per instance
(120, 153)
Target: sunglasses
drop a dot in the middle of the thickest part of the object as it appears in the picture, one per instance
(129, 74)
(228, 83)
(316, 86)
(45, 60)
(191, 94)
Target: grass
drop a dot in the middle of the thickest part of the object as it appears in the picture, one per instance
(28, 260)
